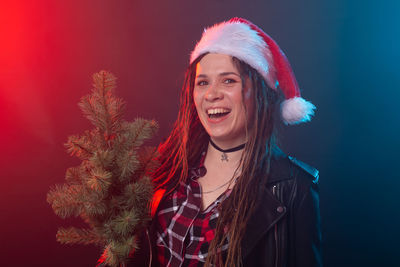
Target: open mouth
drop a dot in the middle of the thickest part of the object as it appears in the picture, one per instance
(217, 112)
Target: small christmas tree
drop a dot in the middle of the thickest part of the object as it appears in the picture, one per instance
(110, 190)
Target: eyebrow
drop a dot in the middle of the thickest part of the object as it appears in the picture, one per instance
(221, 74)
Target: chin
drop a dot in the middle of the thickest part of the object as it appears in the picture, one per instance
(218, 135)
(227, 138)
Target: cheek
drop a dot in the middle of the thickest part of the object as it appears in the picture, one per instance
(249, 102)
(248, 94)
(197, 101)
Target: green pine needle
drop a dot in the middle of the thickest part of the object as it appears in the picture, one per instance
(74, 235)
(66, 200)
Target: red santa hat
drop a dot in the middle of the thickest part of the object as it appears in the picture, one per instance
(244, 40)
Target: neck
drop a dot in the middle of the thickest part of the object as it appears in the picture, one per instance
(215, 155)
(225, 145)
(229, 150)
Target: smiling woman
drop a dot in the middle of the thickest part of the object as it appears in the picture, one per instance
(226, 195)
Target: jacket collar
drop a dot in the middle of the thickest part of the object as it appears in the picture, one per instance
(280, 167)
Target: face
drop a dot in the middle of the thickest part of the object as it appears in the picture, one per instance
(218, 98)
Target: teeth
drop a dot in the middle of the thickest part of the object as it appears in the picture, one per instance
(217, 110)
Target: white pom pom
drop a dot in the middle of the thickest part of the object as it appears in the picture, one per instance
(296, 110)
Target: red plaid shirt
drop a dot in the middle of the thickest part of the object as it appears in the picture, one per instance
(184, 231)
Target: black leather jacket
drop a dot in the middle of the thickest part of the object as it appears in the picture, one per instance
(284, 230)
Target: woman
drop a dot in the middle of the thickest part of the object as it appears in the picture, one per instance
(227, 196)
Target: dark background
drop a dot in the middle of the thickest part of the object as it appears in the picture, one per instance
(344, 53)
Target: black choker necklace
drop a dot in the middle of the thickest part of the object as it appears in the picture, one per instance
(224, 156)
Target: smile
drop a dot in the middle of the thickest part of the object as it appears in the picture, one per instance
(217, 112)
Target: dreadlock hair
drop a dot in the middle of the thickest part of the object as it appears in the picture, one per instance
(189, 139)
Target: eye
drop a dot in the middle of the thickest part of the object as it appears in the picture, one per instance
(201, 83)
(228, 81)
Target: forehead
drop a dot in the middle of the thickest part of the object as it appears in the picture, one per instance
(212, 64)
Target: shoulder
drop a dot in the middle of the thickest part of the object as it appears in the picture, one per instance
(284, 167)
(305, 169)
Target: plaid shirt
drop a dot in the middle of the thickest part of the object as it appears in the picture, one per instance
(184, 231)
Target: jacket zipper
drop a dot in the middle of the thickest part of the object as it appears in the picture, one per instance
(276, 233)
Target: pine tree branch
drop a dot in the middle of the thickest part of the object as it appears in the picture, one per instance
(74, 235)
(149, 163)
(66, 200)
(78, 146)
(73, 175)
(143, 129)
(100, 180)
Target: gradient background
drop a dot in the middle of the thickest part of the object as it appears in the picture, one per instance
(344, 53)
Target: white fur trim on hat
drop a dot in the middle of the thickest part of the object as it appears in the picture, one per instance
(296, 110)
(238, 40)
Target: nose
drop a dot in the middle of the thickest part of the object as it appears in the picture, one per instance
(213, 93)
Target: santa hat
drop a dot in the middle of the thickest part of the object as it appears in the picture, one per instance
(244, 40)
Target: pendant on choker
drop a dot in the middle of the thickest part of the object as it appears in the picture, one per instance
(224, 156)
